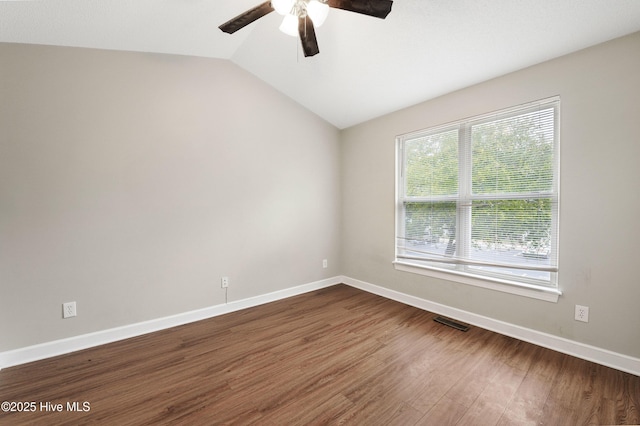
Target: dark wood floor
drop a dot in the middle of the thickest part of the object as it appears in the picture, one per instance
(334, 356)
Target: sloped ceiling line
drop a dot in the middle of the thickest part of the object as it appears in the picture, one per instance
(366, 68)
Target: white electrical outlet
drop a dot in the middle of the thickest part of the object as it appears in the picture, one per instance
(325, 263)
(224, 282)
(582, 313)
(69, 310)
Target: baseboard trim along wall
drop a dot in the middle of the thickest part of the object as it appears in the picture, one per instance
(84, 341)
(580, 350)
(59, 347)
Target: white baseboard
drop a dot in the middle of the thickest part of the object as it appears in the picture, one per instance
(84, 341)
(580, 350)
(59, 347)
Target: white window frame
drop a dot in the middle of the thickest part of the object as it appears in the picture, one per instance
(523, 288)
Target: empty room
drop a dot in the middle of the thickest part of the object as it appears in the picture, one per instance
(364, 212)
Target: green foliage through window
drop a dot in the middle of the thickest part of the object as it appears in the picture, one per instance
(484, 192)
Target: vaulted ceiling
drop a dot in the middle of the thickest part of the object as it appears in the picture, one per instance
(367, 67)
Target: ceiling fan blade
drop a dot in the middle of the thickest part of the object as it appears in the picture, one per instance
(246, 18)
(308, 36)
(375, 8)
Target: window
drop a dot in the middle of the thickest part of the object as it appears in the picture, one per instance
(479, 198)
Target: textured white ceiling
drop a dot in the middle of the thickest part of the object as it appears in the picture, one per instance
(367, 67)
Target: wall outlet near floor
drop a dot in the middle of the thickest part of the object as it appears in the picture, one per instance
(325, 263)
(69, 310)
(582, 313)
(224, 282)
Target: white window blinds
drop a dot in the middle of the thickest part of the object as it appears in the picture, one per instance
(481, 196)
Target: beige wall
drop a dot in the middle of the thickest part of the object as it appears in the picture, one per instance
(132, 182)
(600, 196)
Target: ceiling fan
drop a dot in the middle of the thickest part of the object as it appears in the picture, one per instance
(300, 16)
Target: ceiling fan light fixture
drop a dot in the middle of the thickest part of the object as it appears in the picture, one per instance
(302, 16)
(283, 7)
(317, 11)
(289, 25)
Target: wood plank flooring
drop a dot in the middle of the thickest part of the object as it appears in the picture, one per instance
(334, 356)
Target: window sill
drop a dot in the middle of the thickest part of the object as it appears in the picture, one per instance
(534, 292)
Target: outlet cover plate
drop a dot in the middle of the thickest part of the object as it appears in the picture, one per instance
(69, 310)
(582, 313)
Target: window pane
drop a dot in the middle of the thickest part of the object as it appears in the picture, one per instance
(430, 228)
(432, 165)
(514, 232)
(514, 155)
